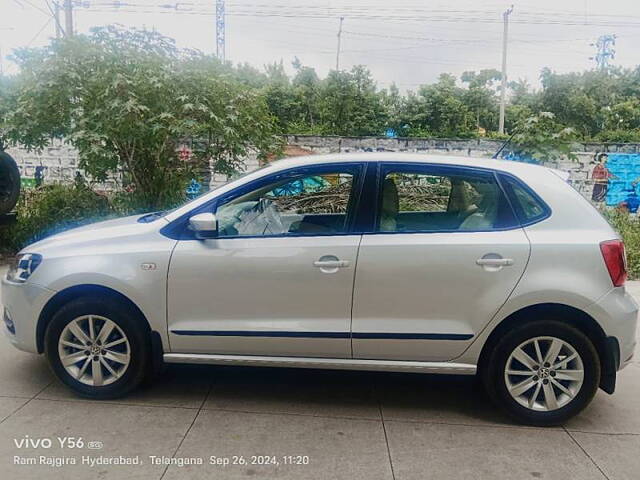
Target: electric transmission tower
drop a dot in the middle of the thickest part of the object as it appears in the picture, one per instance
(220, 47)
(605, 51)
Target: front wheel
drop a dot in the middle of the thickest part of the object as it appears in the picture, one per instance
(100, 349)
(543, 373)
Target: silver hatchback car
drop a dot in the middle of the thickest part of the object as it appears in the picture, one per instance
(378, 261)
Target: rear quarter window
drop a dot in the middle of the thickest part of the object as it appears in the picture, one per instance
(529, 208)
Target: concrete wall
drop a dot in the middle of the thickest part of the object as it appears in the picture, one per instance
(60, 164)
(60, 161)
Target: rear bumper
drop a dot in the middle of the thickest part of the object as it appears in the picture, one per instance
(23, 303)
(617, 314)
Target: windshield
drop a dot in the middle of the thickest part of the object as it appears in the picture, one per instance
(197, 200)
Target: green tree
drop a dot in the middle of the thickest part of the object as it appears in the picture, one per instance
(579, 100)
(350, 103)
(480, 97)
(127, 99)
(8, 88)
(539, 138)
(439, 109)
(306, 91)
(394, 104)
(624, 115)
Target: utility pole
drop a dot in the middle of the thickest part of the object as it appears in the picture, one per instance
(220, 30)
(339, 39)
(2, 57)
(503, 88)
(56, 17)
(68, 18)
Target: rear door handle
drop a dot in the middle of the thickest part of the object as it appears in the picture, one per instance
(494, 262)
(331, 263)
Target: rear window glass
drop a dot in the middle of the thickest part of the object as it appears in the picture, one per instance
(529, 208)
(427, 200)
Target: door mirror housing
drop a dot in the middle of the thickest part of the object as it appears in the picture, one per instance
(204, 225)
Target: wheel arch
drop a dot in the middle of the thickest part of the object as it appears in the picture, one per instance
(607, 347)
(65, 296)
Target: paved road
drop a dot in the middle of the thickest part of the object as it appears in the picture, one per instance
(350, 425)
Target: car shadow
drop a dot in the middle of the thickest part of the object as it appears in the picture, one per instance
(337, 393)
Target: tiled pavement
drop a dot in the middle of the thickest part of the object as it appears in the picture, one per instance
(351, 425)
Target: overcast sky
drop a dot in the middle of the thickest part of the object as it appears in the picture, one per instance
(406, 41)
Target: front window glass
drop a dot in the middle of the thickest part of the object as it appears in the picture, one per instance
(295, 205)
(420, 202)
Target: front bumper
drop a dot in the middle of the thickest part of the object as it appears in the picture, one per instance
(22, 303)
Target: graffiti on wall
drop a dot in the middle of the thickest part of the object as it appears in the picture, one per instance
(616, 179)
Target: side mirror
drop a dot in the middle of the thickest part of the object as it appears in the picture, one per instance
(204, 225)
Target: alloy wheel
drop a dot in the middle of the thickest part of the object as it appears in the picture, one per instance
(544, 373)
(94, 350)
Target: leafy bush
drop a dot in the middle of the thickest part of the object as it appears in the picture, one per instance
(51, 209)
(542, 138)
(619, 136)
(628, 226)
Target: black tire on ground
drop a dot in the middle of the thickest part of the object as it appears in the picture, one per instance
(135, 329)
(9, 183)
(493, 375)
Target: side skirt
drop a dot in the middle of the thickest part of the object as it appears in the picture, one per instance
(325, 363)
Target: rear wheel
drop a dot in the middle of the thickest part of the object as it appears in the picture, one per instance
(99, 348)
(543, 373)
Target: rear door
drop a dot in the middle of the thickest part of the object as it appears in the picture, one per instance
(445, 254)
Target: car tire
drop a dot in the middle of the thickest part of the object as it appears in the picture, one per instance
(552, 390)
(9, 183)
(110, 342)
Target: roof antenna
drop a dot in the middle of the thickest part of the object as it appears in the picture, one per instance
(503, 146)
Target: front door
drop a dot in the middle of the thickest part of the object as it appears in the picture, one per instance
(445, 255)
(278, 279)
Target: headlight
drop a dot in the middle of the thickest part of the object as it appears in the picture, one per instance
(23, 266)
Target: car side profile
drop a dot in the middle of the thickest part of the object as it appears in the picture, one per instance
(373, 261)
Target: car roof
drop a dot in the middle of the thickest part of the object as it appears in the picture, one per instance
(404, 157)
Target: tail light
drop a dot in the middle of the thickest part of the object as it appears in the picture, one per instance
(616, 261)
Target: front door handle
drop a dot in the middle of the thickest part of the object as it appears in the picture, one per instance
(330, 264)
(494, 262)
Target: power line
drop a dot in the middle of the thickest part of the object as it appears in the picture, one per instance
(40, 31)
(32, 5)
(449, 16)
(336, 11)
